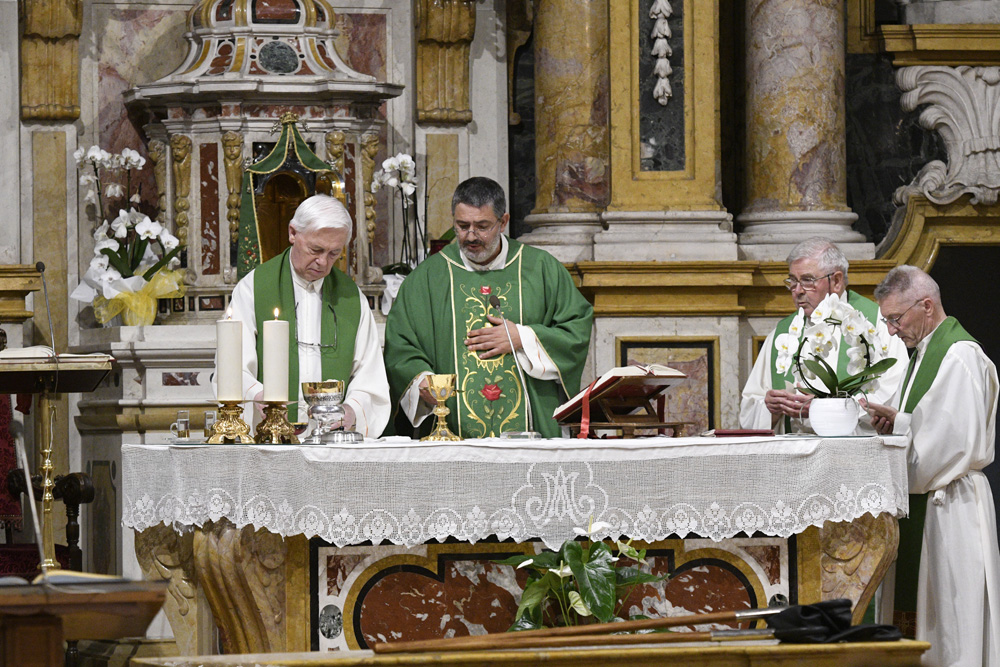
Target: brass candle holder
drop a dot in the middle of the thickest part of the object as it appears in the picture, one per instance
(230, 429)
(275, 429)
(441, 387)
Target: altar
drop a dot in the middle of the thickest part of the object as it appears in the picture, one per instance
(292, 548)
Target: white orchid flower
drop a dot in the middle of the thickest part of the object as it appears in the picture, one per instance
(114, 190)
(79, 154)
(856, 361)
(562, 571)
(109, 276)
(135, 199)
(391, 181)
(87, 179)
(390, 164)
(407, 167)
(101, 232)
(100, 262)
(132, 159)
(853, 326)
(407, 188)
(821, 340)
(95, 155)
(795, 328)
(90, 197)
(148, 229)
(168, 240)
(120, 224)
(110, 244)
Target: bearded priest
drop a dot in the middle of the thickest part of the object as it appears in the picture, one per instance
(948, 570)
(442, 321)
(816, 268)
(332, 331)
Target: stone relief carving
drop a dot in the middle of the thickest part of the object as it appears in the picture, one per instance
(445, 29)
(962, 104)
(158, 156)
(855, 557)
(660, 12)
(50, 77)
(369, 149)
(180, 147)
(335, 147)
(232, 147)
(167, 556)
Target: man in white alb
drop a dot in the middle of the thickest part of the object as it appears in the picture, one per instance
(332, 330)
(947, 405)
(816, 268)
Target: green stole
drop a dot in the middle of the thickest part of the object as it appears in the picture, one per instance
(341, 314)
(476, 415)
(867, 307)
(911, 529)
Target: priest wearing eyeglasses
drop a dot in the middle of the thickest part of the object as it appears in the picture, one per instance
(332, 331)
(816, 268)
(466, 309)
(948, 570)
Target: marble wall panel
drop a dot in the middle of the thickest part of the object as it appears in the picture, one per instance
(210, 246)
(661, 128)
(886, 146)
(362, 42)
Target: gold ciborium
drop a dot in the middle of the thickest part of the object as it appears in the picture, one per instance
(441, 387)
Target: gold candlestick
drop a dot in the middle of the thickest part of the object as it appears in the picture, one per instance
(275, 429)
(47, 413)
(441, 387)
(230, 427)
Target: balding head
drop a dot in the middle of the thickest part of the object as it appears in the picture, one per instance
(910, 301)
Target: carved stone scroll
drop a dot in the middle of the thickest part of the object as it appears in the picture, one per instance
(232, 147)
(242, 574)
(50, 70)
(961, 107)
(369, 149)
(158, 156)
(166, 556)
(855, 557)
(180, 147)
(445, 29)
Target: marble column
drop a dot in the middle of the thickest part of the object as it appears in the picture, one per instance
(571, 120)
(795, 154)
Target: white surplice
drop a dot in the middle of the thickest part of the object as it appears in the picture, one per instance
(952, 434)
(754, 413)
(368, 390)
(533, 358)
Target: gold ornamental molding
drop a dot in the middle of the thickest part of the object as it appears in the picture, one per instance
(709, 289)
(862, 30)
(942, 44)
(445, 29)
(50, 65)
(16, 282)
(104, 416)
(926, 227)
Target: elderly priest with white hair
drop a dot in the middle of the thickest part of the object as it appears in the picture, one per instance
(332, 331)
(947, 405)
(816, 268)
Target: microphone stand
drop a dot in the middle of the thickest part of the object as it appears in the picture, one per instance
(531, 433)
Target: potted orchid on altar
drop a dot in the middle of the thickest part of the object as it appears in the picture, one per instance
(399, 172)
(134, 256)
(862, 358)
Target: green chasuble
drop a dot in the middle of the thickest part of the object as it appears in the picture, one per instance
(911, 529)
(867, 307)
(441, 301)
(273, 288)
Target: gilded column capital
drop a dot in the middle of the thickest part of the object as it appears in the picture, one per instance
(445, 29)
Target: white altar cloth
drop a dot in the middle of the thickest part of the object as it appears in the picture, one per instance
(408, 492)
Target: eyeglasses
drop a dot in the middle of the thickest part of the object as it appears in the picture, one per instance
(808, 284)
(894, 321)
(319, 346)
(478, 230)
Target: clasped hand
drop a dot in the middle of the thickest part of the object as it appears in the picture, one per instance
(787, 403)
(883, 417)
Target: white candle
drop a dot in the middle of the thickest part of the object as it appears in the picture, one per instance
(229, 358)
(276, 359)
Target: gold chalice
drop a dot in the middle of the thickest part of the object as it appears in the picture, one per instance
(442, 387)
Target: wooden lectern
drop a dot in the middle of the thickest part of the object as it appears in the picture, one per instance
(37, 618)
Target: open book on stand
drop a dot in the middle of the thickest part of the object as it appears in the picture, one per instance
(622, 399)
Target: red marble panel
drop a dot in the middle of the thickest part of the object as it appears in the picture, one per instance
(222, 60)
(769, 558)
(276, 10)
(350, 182)
(210, 252)
(366, 37)
(338, 568)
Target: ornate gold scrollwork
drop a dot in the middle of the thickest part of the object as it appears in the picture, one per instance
(855, 557)
(50, 76)
(369, 149)
(445, 29)
(158, 156)
(180, 147)
(232, 149)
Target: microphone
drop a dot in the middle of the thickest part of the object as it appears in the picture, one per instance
(530, 434)
(40, 267)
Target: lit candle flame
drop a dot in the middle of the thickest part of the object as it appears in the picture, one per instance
(275, 313)
(229, 313)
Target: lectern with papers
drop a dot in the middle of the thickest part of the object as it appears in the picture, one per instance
(625, 399)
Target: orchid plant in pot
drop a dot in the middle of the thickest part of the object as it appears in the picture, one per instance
(581, 583)
(806, 349)
(134, 256)
(399, 172)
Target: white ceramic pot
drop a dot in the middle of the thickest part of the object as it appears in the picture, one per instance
(834, 416)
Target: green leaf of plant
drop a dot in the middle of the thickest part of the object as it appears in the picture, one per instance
(116, 261)
(577, 604)
(163, 262)
(631, 576)
(595, 578)
(533, 595)
(530, 620)
(515, 560)
(138, 252)
(827, 377)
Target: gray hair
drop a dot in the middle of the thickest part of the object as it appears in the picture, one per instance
(479, 191)
(828, 255)
(908, 281)
(322, 212)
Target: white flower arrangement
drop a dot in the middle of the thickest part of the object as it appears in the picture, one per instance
(133, 254)
(867, 351)
(400, 172)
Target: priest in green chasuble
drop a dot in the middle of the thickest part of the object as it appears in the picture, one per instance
(816, 268)
(948, 570)
(442, 322)
(332, 331)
